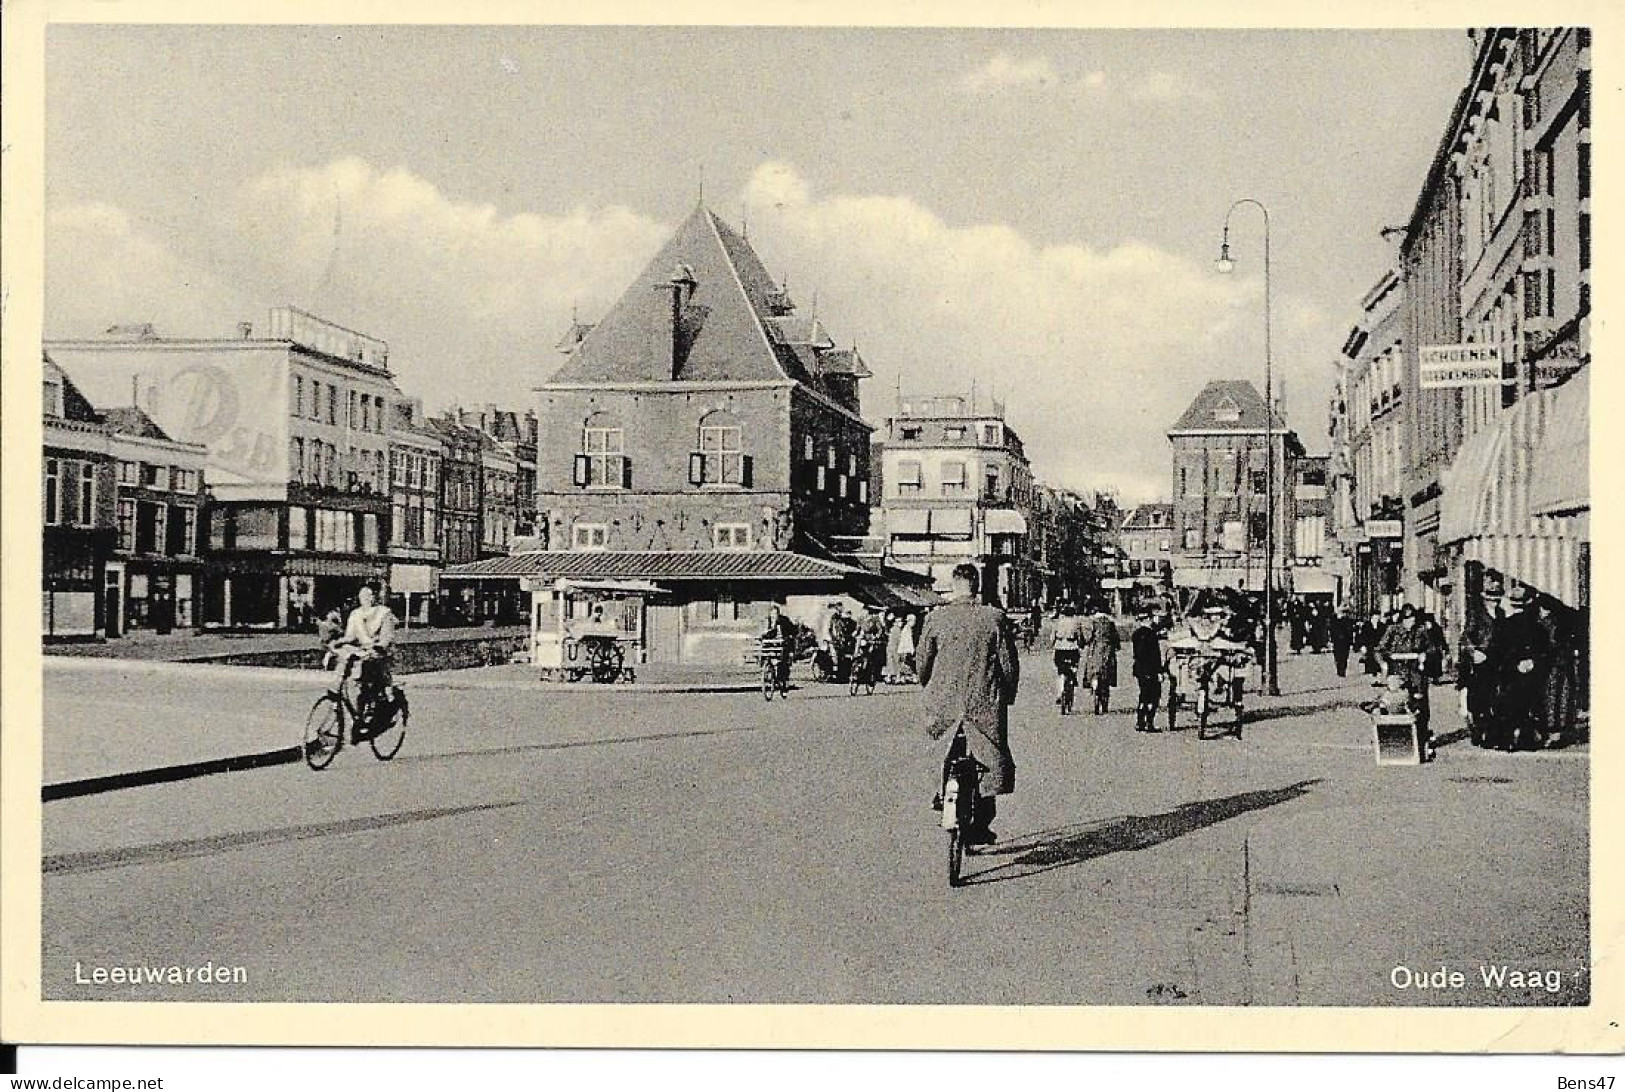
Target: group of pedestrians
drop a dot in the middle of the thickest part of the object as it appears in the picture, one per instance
(1517, 672)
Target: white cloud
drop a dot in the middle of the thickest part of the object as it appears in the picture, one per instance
(1096, 351)
(1003, 72)
(470, 299)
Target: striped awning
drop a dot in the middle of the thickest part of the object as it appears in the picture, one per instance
(1562, 481)
(1488, 499)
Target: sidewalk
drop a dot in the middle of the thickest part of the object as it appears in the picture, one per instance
(1475, 862)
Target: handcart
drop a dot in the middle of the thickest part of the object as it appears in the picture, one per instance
(1207, 673)
(588, 629)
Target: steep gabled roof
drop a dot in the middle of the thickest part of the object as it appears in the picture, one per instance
(1240, 398)
(722, 332)
(1141, 517)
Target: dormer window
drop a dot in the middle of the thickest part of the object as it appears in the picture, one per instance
(1227, 411)
(53, 398)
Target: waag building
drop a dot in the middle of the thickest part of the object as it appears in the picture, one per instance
(705, 437)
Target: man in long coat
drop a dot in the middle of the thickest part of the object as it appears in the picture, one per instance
(967, 661)
(1099, 666)
(1342, 636)
(1477, 676)
(1522, 651)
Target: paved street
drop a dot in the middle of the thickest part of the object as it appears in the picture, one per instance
(619, 846)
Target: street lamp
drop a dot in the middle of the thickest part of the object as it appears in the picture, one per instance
(1226, 264)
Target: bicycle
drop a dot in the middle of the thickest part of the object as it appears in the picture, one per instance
(325, 724)
(959, 795)
(775, 672)
(865, 670)
(1069, 689)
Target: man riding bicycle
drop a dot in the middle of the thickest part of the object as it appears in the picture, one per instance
(1067, 642)
(968, 664)
(369, 636)
(782, 630)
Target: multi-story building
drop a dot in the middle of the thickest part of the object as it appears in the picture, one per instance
(1145, 538)
(1496, 262)
(1313, 568)
(155, 574)
(76, 511)
(958, 487)
(519, 433)
(295, 422)
(704, 436)
(461, 468)
(1368, 471)
(414, 541)
(1221, 480)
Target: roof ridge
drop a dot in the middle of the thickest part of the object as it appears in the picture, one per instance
(728, 259)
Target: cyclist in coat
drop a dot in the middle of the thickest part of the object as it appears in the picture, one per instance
(968, 663)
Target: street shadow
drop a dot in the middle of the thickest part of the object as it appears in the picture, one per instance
(97, 860)
(1282, 712)
(1044, 851)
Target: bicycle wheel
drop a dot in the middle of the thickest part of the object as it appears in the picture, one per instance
(386, 743)
(1068, 688)
(857, 681)
(769, 684)
(324, 732)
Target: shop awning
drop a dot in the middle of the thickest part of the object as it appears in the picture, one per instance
(895, 595)
(951, 521)
(1226, 577)
(908, 521)
(1488, 503)
(1468, 484)
(1562, 474)
(1004, 521)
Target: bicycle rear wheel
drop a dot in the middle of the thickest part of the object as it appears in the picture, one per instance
(324, 732)
(387, 743)
(769, 683)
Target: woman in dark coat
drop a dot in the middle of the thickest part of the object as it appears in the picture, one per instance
(1099, 663)
(1561, 704)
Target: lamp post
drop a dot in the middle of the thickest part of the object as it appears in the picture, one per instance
(1272, 679)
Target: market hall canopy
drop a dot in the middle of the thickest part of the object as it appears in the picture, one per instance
(656, 565)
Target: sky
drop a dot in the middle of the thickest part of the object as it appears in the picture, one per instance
(1034, 212)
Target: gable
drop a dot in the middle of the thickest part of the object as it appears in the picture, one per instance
(695, 312)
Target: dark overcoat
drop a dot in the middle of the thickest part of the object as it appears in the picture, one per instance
(966, 660)
(1100, 645)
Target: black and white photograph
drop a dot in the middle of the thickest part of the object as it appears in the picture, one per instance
(736, 515)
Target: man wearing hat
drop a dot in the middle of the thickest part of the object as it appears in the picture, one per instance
(1149, 667)
(1404, 651)
(1477, 676)
(1522, 649)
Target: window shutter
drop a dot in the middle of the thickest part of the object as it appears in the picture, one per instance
(626, 472)
(696, 468)
(581, 470)
(745, 464)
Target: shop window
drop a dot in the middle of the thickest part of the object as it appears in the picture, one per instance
(257, 528)
(298, 527)
(369, 533)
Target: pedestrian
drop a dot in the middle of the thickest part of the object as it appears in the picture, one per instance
(968, 665)
(906, 642)
(1342, 637)
(1320, 627)
(1370, 639)
(843, 633)
(1438, 649)
(1149, 666)
(1522, 654)
(894, 640)
(1099, 664)
(1561, 706)
(1404, 651)
(1476, 675)
(1295, 625)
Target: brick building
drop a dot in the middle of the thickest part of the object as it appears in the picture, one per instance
(416, 451)
(704, 435)
(76, 510)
